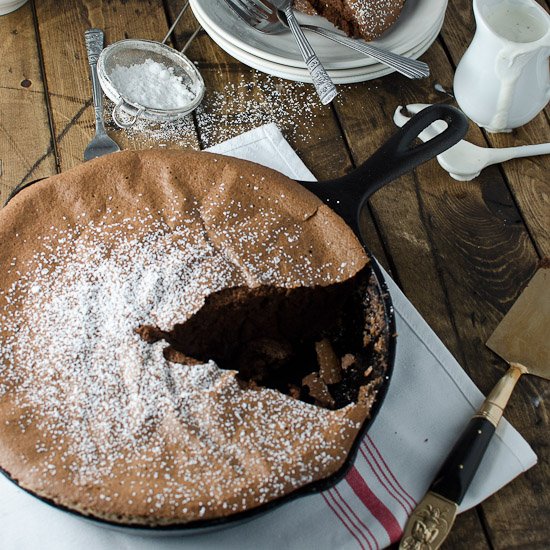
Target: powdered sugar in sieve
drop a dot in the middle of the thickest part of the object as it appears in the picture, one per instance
(149, 79)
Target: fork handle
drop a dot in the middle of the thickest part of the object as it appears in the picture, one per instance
(411, 68)
(94, 45)
(321, 80)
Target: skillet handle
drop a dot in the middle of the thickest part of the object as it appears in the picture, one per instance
(347, 195)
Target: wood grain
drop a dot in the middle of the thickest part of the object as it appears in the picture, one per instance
(66, 65)
(527, 178)
(26, 151)
(511, 514)
(467, 239)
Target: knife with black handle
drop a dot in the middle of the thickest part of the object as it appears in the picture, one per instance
(521, 339)
(432, 519)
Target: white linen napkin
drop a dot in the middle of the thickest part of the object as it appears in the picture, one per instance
(429, 401)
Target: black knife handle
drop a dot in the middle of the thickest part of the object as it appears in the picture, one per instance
(460, 467)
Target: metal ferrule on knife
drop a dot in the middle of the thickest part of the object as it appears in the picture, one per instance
(495, 403)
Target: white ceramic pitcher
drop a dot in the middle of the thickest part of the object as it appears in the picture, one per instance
(502, 81)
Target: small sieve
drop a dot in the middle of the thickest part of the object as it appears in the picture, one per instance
(126, 53)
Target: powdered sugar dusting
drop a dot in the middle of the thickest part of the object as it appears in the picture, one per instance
(246, 104)
(133, 434)
(365, 18)
(180, 132)
(372, 16)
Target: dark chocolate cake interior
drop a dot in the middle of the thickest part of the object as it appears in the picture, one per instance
(308, 342)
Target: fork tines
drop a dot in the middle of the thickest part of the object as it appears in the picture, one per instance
(256, 14)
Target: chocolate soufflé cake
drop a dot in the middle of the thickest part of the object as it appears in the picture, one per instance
(367, 19)
(183, 336)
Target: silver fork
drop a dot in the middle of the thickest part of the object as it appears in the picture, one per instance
(266, 16)
(101, 143)
(251, 12)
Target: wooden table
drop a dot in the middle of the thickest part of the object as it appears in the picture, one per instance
(460, 251)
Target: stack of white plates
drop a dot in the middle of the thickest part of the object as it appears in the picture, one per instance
(413, 33)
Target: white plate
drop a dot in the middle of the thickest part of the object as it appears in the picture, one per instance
(338, 76)
(417, 22)
(7, 6)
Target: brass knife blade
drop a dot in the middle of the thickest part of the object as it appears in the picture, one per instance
(523, 335)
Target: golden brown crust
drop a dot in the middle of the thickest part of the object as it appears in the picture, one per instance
(124, 180)
(212, 201)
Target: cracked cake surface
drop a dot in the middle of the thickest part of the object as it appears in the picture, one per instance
(96, 418)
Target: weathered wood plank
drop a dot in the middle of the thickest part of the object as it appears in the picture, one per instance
(512, 514)
(26, 151)
(467, 533)
(527, 178)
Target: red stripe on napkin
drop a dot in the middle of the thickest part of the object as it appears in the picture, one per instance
(341, 515)
(352, 512)
(376, 507)
(408, 498)
(383, 479)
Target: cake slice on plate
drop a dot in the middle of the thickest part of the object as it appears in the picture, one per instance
(367, 19)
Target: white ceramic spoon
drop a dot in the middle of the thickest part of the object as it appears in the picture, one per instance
(465, 161)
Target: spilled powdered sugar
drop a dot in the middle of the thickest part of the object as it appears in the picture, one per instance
(188, 438)
(244, 105)
(96, 367)
(240, 106)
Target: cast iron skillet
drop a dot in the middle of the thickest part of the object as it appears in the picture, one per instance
(347, 197)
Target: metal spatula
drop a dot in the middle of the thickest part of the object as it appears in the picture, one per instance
(522, 339)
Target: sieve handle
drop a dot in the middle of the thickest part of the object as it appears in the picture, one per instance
(118, 108)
